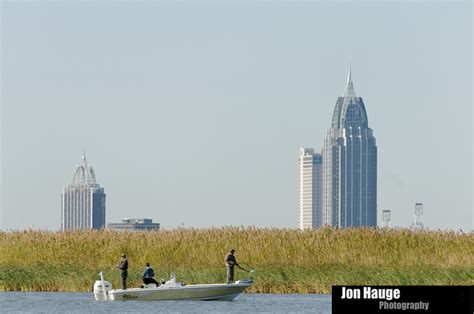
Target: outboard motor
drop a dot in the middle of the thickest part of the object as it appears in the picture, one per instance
(101, 288)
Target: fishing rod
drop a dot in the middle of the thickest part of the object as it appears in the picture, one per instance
(243, 268)
(250, 271)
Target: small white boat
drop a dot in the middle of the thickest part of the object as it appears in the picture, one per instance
(171, 290)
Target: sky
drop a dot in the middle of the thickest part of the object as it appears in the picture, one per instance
(193, 113)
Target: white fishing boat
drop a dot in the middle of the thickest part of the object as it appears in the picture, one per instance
(171, 290)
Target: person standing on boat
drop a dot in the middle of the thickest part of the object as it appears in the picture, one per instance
(230, 262)
(123, 270)
(148, 275)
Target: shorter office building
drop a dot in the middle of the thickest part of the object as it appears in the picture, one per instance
(135, 224)
(310, 168)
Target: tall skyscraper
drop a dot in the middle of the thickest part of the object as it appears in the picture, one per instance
(83, 201)
(338, 188)
(310, 169)
(349, 165)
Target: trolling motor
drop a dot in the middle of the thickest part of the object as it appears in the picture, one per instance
(251, 274)
(249, 279)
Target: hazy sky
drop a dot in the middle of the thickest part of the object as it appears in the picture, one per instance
(193, 113)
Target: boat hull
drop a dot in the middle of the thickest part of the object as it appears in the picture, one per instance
(215, 292)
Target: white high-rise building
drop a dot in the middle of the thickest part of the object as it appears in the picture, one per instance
(83, 201)
(310, 174)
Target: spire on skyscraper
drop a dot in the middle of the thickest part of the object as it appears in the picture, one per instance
(84, 173)
(349, 91)
(84, 160)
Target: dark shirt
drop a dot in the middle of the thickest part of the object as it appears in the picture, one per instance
(123, 266)
(230, 260)
(148, 273)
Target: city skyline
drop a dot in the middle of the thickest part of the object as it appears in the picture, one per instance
(196, 118)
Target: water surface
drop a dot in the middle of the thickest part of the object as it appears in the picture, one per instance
(72, 302)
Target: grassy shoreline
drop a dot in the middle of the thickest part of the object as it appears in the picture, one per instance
(285, 260)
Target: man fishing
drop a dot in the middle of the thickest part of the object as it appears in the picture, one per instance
(123, 270)
(230, 262)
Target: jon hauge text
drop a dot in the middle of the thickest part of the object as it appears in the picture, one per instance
(371, 293)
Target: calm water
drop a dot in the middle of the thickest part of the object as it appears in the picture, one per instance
(68, 302)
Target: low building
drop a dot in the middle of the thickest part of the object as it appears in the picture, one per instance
(135, 224)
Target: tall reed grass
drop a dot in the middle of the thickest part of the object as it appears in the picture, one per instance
(284, 260)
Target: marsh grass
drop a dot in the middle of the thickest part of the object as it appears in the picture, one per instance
(285, 260)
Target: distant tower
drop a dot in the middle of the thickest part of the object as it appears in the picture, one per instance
(349, 165)
(386, 217)
(310, 174)
(417, 224)
(83, 201)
